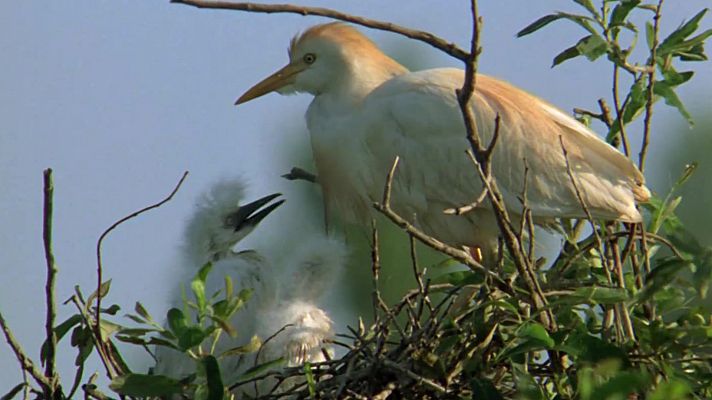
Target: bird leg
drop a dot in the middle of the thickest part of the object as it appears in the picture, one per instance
(297, 173)
(476, 253)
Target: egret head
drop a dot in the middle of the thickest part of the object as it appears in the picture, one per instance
(325, 58)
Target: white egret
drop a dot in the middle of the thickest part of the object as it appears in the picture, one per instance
(368, 109)
(287, 302)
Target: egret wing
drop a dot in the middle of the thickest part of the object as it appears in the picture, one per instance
(417, 117)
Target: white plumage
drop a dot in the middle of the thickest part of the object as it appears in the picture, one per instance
(289, 285)
(368, 109)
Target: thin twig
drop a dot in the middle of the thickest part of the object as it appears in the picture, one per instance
(375, 269)
(99, 268)
(422, 36)
(460, 255)
(651, 87)
(619, 113)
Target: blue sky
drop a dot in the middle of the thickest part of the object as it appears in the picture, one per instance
(121, 97)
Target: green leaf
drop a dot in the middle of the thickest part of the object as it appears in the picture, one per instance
(244, 296)
(593, 46)
(588, 349)
(581, 20)
(694, 53)
(141, 310)
(216, 389)
(131, 339)
(136, 318)
(258, 369)
(538, 24)
(633, 109)
(59, 331)
(13, 392)
(679, 35)
(229, 287)
(661, 276)
(461, 278)
(224, 325)
(103, 291)
(664, 90)
(671, 389)
(192, 336)
(221, 309)
(136, 331)
(621, 11)
(197, 285)
(622, 385)
(84, 351)
(177, 321)
(161, 342)
(484, 389)
(107, 328)
(112, 310)
(253, 346)
(674, 78)
(588, 5)
(535, 337)
(535, 331)
(141, 385)
(649, 34)
(596, 295)
(567, 54)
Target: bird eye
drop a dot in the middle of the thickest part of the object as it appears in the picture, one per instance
(309, 58)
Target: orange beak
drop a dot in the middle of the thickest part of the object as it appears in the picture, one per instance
(283, 77)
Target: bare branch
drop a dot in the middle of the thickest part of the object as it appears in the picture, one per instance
(414, 376)
(25, 362)
(651, 86)
(421, 36)
(51, 337)
(619, 112)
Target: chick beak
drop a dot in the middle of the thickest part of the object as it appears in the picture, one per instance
(283, 77)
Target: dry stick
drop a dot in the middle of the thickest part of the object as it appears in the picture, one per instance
(97, 316)
(414, 263)
(483, 157)
(527, 216)
(259, 352)
(606, 114)
(624, 321)
(418, 275)
(627, 323)
(412, 375)
(651, 86)
(601, 251)
(25, 362)
(514, 245)
(468, 207)
(459, 255)
(422, 36)
(50, 373)
(375, 270)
